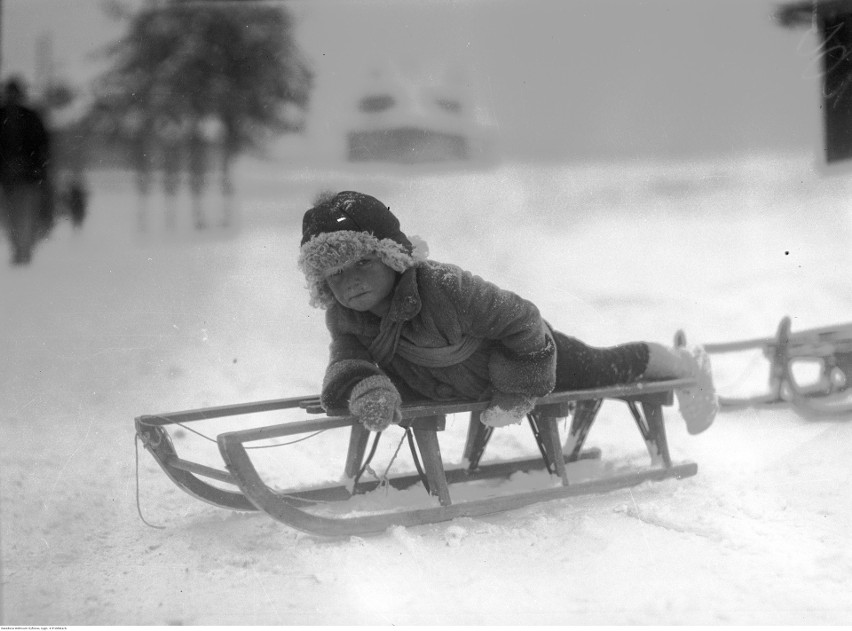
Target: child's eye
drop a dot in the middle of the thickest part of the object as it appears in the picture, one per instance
(336, 272)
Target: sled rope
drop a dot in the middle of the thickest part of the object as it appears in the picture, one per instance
(368, 459)
(186, 427)
(383, 478)
(292, 442)
(387, 469)
(138, 507)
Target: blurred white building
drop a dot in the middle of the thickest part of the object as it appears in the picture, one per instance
(417, 117)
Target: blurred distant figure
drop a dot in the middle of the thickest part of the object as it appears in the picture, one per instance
(170, 134)
(197, 167)
(25, 191)
(74, 197)
(140, 131)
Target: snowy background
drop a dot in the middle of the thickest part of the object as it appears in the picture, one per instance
(109, 323)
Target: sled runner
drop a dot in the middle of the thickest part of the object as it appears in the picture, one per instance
(247, 491)
(827, 349)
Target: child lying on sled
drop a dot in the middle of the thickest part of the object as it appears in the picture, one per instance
(404, 327)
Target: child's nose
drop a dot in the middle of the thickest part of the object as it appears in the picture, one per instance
(351, 277)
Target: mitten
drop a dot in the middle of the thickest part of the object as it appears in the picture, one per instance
(507, 409)
(376, 403)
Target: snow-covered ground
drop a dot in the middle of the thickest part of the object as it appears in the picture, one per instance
(109, 323)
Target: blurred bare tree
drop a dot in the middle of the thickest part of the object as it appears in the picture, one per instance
(206, 73)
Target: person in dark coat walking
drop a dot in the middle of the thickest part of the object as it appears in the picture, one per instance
(24, 163)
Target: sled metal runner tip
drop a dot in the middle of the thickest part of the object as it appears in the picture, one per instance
(423, 421)
(829, 347)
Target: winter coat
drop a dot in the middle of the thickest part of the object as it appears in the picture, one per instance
(24, 146)
(493, 341)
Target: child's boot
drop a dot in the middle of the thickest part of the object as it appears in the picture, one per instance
(698, 404)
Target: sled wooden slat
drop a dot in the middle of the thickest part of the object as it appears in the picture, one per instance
(660, 451)
(204, 414)
(547, 418)
(430, 453)
(454, 475)
(200, 469)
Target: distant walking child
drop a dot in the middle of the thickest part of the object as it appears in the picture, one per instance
(404, 327)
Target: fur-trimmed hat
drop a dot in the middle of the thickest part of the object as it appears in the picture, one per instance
(346, 227)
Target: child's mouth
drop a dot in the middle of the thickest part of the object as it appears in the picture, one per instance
(358, 295)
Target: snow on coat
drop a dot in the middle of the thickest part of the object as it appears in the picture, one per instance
(437, 306)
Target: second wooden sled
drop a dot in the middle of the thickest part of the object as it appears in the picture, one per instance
(423, 422)
(829, 347)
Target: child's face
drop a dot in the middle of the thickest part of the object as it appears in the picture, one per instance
(363, 285)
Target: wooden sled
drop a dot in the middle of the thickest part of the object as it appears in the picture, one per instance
(830, 347)
(423, 422)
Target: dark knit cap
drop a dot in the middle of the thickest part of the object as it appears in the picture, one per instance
(355, 212)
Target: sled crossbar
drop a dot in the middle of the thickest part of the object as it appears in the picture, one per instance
(200, 469)
(820, 341)
(247, 490)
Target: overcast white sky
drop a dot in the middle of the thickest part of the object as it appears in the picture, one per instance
(560, 78)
